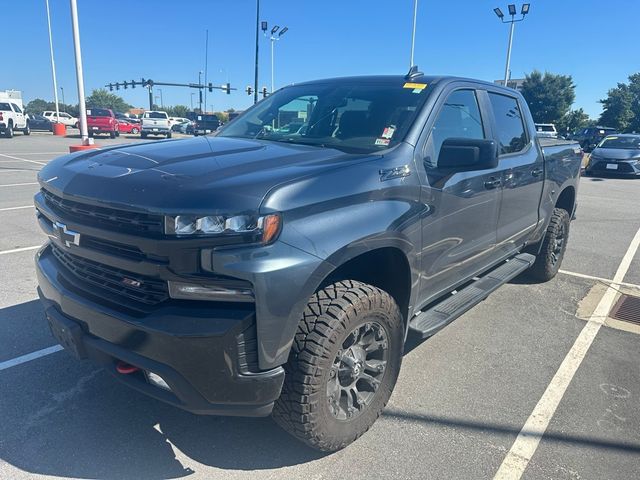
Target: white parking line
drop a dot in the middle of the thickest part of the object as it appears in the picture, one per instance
(525, 445)
(598, 279)
(6, 209)
(37, 153)
(21, 249)
(29, 356)
(18, 184)
(23, 159)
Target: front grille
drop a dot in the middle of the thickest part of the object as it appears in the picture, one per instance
(112, 218)
(601, 166)
(110, 283)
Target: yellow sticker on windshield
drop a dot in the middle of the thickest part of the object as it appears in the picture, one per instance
(611, 138)
(415, 86)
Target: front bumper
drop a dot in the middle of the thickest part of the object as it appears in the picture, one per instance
(622, 168)
(201, 355)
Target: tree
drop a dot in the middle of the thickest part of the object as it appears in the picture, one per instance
(38, 105)
(617, 108)
(100, 98)
(573, 121)
(549, 96)
(178, 111)
(222, 116)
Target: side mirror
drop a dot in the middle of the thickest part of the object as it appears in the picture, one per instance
(464, 154)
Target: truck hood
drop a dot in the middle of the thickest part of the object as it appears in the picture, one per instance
(209, 175)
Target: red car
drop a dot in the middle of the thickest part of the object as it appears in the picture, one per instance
(128, 127)
(102, 120)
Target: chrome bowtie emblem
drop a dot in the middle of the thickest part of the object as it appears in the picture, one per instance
(68, 237)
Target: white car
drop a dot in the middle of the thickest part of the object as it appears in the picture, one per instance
(155, 123)
(64, 118)
(547, 130)
(175, 120)
(12, 118)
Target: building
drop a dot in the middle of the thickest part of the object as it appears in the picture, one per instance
(14, 96)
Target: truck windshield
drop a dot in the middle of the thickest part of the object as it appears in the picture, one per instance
(350, 117)
(630, 143)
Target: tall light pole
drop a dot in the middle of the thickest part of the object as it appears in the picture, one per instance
(78, 56)
(64, 105)
(53, 63)
(200, 88)
(255, 79)
(273, 38)
(512, 11)
(161, 100)
(413, 31)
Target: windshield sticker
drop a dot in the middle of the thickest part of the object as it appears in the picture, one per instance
(383, 141)
(611, 138)
(388, 131)
(417, 87)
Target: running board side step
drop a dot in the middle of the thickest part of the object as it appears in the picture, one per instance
(430, 321)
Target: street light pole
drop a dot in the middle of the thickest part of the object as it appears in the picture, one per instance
(161, 100)
(53, 63)
(255, 80)
(413, 33)
(80, 79)
(64, 105)
(200, 88)
(512, 11)
(273, 38)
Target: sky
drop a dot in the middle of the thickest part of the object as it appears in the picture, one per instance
(593, 41)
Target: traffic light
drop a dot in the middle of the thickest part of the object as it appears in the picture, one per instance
(117, 86)
(228, 88)
(249, 90)
(133, 84)
(210, 87)
(143, 82)
(264, 92)
(124, 84)
(111, 87)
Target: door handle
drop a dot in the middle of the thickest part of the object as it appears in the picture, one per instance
(536, 172)
(493, 183)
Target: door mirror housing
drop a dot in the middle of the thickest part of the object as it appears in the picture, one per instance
(464, 154)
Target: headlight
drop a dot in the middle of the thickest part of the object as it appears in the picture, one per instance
(265, 228)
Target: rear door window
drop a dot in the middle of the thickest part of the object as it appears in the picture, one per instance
(510, 132)
(5, 107)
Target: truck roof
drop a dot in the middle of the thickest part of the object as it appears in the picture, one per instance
(401, 79)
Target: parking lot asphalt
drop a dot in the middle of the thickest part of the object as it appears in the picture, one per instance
(460, 403)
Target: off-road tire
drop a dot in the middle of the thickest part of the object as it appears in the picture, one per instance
(330, 316)
(546, 266)
(26, 130)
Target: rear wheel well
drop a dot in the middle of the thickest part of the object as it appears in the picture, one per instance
(386, 268)
(566, 200)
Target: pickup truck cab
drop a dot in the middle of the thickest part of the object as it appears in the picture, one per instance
(205, 123)
(155, 123)
(258, 271)
(64, 118)
(13, 118)
(101, 121)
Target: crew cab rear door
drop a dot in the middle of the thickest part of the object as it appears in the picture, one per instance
(459, 234)
(521, 167)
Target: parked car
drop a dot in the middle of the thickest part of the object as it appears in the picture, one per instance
(125, 126)
(204, 124)
(38, 122)
(64, 118)
(102, 120)
(592, 136)
(181, 127)
(546, 130)
(175, 120)
(155, 123)
(253, 272)
(12, 118)
(616, 155)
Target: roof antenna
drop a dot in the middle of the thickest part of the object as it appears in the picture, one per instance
(413, 72)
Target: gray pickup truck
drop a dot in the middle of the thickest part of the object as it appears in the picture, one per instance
(266, 269)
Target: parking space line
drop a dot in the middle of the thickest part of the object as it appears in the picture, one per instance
(598, 279)
(18, 184)
(526, 444)
(23, 159)
(21, 249)
(29, 356)
(37, 153)
(6, 209)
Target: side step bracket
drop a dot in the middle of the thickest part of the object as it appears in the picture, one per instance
(430, 321)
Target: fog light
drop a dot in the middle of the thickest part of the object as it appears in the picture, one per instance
(193, 291)
(157, 380)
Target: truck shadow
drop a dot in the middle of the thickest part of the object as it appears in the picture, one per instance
(68, 418)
